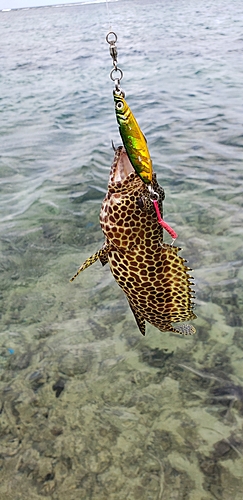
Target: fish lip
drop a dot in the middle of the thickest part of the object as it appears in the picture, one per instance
(122, 167)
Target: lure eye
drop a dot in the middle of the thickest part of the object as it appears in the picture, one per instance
(119, 105)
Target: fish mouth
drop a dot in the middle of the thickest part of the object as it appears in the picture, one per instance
(122, 166)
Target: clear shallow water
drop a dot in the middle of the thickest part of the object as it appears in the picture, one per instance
(130, 420)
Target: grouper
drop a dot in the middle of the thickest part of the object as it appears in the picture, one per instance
(151, 273)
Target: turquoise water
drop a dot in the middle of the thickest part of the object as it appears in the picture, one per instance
(90, 409)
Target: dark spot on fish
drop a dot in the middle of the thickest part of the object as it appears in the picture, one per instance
(134, 275)
(143, 224)
(136, 218)
(132, 223)
(157, 283)
(132, 280)
(150, 297)
(166, 262)
(168, 301)
(151, 268)
(121, 266)
(166, 269)
(152, 275)
(161, 307)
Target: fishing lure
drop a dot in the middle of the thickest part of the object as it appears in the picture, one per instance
(133, 139)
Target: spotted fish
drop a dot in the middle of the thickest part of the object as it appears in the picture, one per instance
(153, 276)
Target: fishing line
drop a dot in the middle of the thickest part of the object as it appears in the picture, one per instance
(116, 73)
(108, 14)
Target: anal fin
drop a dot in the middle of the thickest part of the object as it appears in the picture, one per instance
(139, 319)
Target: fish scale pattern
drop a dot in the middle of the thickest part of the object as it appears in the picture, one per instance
(158, 288)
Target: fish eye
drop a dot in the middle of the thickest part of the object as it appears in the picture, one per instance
(140, 202)
(119, 105)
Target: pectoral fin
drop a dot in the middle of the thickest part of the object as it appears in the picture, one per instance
(139, 319)
(102, 254)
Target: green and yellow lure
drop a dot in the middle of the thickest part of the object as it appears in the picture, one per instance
(133, 139)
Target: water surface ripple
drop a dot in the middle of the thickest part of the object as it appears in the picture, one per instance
(90, 410)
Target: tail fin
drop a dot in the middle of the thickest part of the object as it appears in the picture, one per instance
(185, 329)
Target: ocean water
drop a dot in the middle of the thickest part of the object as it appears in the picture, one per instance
(89, 408)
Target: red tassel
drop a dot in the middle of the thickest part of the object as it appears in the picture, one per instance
(164, 224)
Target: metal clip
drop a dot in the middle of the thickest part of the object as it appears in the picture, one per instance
(116, 73)
(113, 53)
(111, 41)
(154, 196)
